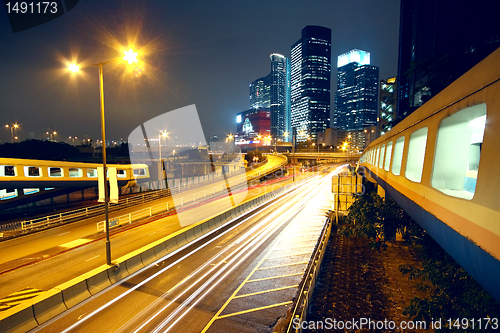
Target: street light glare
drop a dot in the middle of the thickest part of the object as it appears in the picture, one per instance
(74, 67)
(130, 56)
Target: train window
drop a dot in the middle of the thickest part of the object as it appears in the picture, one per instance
(139, 172)
(121, 173)
(32, 171)
(377, 156)
(92, 173)
(75, 172)
(397, 158)
(458, 148)
(28, 191)
(55, 172)
(7, 171)
(5, 195)
(388, 156)
(381, 161)
(416, 154)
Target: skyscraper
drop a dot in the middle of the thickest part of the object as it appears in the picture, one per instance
(356, 99)
(438, 42)
(260, 93)
(310, 82)
(280, 96)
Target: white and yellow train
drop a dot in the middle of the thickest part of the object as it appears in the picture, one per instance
(441, 165)
(22, 173)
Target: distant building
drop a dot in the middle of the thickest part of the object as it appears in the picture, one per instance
(356, 99)
(310, 82)
(439, 41)
(260, 93)
(388, 105)
(280, 96)
(356, 140)
(250, 124)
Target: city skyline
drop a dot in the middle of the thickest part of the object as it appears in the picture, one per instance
(196, 60)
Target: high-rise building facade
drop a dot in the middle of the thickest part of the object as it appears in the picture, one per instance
(438, 42)
(280, 97)
(356, 99)
(388, 104)
(310, 82)
(260, 93)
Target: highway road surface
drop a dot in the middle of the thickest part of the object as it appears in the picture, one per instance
(242, 277)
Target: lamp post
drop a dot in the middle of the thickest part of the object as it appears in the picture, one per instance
(160, 163)
(73, 138)
(130, 57)
(228, 142)
(12, 128)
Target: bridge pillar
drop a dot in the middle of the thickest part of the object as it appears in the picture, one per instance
(381, 191)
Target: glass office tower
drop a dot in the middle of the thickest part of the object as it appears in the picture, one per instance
(356, 99)
(310, 83)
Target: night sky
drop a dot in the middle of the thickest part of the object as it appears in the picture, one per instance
(192, 52)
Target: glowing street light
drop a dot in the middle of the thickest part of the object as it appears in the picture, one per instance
(12, 128)
(74, 67)
(130, 57)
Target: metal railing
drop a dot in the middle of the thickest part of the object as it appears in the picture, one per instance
(89, 212)
(302, 302)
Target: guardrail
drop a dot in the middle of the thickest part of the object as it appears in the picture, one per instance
(88, 212)
(38, 310)
(302, 302)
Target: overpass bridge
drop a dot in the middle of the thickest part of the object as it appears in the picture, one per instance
(440, 164)
(334, 157)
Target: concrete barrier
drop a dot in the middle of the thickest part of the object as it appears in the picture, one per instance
(148, 256)
(134, 263)
(74, 292)
(190, 234)
(98, 281)
(160, 250)
(19, 318)
(117, 272)
(48, 305)
(170, 245)
(181, 239)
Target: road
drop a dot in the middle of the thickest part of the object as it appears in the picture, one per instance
(55, 256)
(242, 277)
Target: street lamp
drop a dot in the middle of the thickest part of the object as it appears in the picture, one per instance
(130, 57)
(228, 142)
(73, 138)
(12, 128)
(160, 163)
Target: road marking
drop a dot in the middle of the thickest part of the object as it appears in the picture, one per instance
(18, 297)
(276, 277)
(64, 233)
(290, 255)
(75, 243)
(266, 291)
(93, 257)
(255, 309)
(284, 265)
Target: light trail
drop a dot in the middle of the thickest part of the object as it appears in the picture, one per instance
(90, 315)
(247, 250)
(241, 249)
